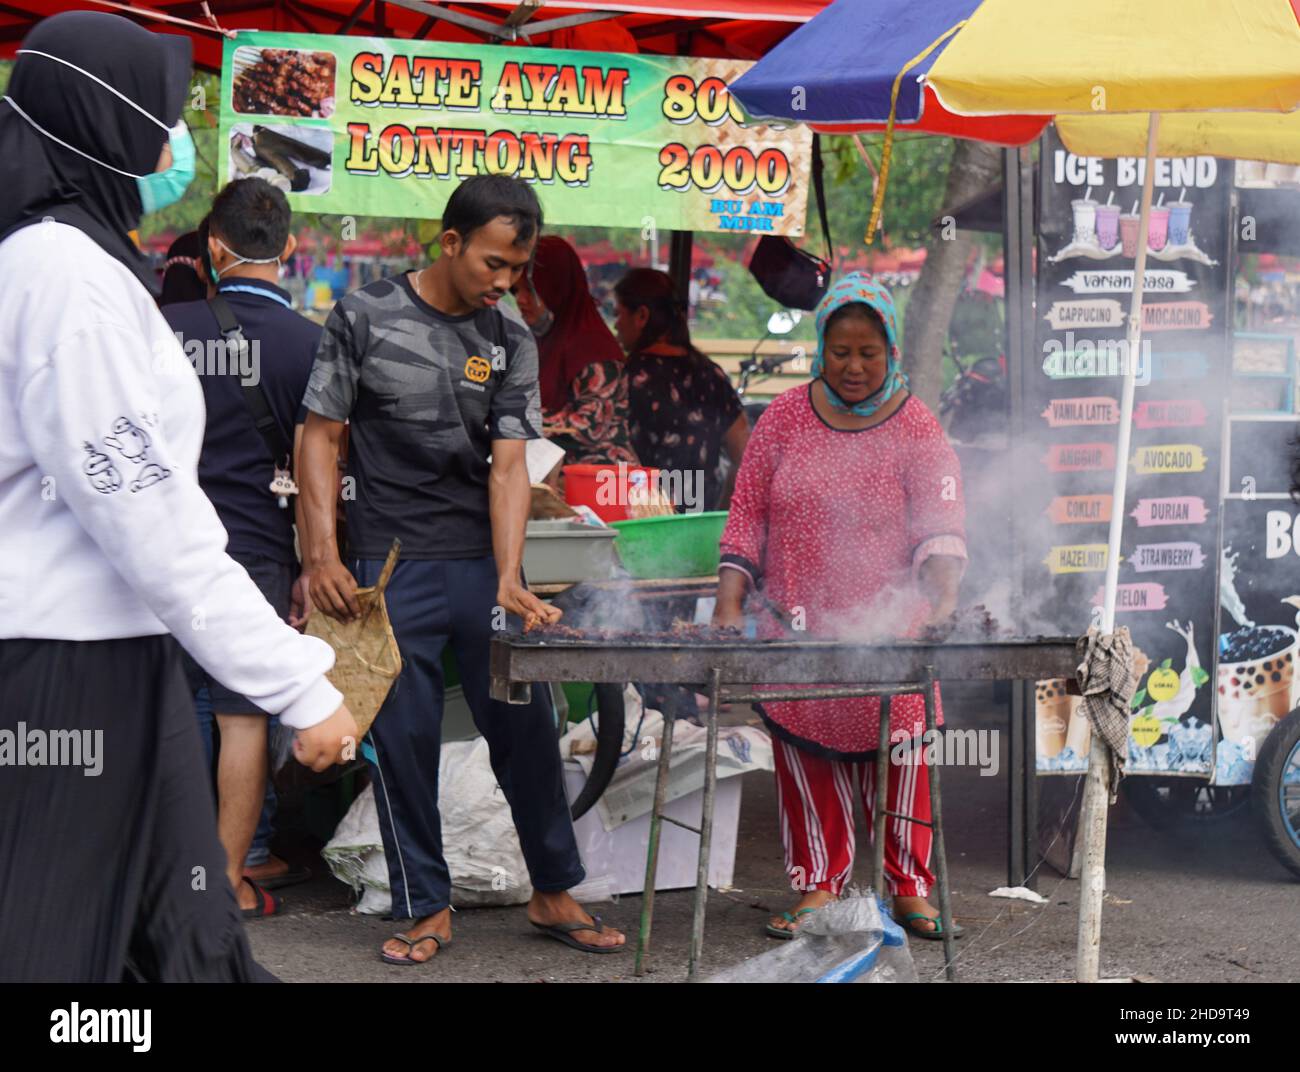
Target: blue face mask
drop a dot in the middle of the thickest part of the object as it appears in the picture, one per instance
(162, 188)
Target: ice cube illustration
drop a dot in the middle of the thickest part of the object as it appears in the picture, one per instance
(1232, 767)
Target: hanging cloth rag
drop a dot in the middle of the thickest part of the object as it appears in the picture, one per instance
(1105, 677)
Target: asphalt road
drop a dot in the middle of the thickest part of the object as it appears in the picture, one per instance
(1194, 906)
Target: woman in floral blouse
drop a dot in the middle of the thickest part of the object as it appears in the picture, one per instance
(580, 365)
(684, 410)
(848, 510)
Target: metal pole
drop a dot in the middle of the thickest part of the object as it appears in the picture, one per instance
(936, 831)
(1017, 748)
(1096, 790)
(652, 853)
(1018, 242)
(1026, 203)
(1016, 316)
(882, 787)
(706, 826)
(679, 263)
(1018, 255)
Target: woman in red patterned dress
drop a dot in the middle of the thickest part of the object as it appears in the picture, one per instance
(580, 364)
(848, 518)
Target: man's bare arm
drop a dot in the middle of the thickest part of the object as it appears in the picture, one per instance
(333, 588)
(509, 500)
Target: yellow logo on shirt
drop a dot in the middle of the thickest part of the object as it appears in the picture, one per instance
(478, 369)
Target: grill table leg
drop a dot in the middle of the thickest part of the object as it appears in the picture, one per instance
(652, 854)
(936, 830)
(706, 825)
(882, 791)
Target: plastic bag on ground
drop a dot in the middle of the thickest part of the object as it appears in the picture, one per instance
(478, 840)
(849, 941)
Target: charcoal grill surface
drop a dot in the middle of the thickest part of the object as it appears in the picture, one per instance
(518, 659)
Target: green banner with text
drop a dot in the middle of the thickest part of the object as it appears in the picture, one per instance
(384, 127)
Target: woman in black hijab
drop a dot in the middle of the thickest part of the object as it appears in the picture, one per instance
(184, 278)
(70, 145)
(109, 860)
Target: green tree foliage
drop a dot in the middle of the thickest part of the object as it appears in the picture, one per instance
(913, 194)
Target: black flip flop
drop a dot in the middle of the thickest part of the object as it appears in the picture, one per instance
(268, 904)
(411, 943)
(563, 932)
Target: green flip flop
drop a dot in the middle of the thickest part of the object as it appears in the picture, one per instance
(786, 934)
(936, 935)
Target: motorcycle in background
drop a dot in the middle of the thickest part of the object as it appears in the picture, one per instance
(974, 408)
(755, 369)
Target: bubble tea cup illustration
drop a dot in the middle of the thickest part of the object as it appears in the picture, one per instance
(1078, 733)
(1128, 231)
(1108, 223)
(1257, 680)
(1158, 227)
(1180, 220)
(1085, 219)
(1051, 716)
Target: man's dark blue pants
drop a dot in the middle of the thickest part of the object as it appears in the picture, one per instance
(432, 604)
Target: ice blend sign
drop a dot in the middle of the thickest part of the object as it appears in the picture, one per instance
(1169, 559)
(383, 127)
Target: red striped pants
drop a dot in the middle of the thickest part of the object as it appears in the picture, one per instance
(815, 798)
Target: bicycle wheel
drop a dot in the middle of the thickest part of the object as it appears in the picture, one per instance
(1277, 791)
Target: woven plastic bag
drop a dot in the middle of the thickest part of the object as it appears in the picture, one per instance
(366, 657)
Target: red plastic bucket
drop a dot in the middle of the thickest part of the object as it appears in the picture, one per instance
(604, 488)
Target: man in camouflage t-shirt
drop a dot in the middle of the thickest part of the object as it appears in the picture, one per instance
(439, 389)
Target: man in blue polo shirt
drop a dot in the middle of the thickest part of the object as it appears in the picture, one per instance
(247, 240)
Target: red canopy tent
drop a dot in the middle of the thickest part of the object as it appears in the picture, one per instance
(737, 29)
(740, 29)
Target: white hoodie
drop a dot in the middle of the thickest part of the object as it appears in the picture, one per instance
(104, 531)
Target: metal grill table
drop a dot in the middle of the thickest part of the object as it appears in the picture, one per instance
(726, 671)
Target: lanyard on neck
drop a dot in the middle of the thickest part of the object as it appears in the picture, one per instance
(237, 288)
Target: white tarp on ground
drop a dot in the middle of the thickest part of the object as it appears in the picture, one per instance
(478, 835)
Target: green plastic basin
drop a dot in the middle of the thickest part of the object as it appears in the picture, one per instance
(675, 545)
